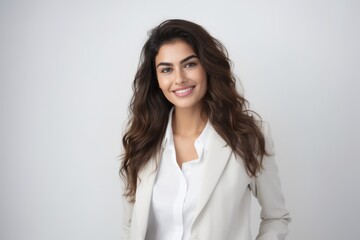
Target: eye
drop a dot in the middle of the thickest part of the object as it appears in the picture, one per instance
(190, 65)
(166, 70)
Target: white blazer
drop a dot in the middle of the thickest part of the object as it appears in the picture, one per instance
(223, 210)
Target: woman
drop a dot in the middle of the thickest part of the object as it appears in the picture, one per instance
(193, 153)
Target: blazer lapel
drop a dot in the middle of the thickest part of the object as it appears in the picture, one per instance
(216, 158)
(143, 195)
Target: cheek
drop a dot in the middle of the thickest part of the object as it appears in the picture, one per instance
(163, 84)
(204, 88)
(203, 80)
(160, 82)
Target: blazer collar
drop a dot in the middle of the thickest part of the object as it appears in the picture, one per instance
(144, 192)
(215, 160)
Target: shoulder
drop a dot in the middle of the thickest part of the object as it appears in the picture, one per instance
(265, 128)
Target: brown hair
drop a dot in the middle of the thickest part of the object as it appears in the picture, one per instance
(225, 108)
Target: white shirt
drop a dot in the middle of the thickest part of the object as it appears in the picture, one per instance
(176, 191)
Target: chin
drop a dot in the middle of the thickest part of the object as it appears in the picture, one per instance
(187, 105)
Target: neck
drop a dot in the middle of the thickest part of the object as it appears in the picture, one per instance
(188, 122)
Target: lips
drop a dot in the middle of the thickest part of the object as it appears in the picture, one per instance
(182, 92)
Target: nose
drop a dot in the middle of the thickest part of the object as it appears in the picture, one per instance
(180, 77)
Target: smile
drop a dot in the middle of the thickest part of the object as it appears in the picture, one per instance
(184, 91)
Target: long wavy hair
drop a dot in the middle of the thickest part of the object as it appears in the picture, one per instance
(225, 108)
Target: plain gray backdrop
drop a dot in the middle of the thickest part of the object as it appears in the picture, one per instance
(66, 69)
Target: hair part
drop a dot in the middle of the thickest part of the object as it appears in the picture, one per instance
(149, 109)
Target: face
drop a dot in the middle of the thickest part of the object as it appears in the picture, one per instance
(181, 77)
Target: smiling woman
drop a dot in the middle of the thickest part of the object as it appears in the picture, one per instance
(193, 152)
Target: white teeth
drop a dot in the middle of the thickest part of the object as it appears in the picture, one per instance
(183, 90)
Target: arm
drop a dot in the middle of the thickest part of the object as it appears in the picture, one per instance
(267, 189)
(127, 209)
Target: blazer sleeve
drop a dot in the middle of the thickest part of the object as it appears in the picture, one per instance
(267, 189)
(127, 209)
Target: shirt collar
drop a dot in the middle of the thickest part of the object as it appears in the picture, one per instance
(169, 134)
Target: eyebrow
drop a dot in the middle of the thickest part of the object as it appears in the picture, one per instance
(182, 61)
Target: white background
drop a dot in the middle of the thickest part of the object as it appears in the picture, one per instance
(66, 69)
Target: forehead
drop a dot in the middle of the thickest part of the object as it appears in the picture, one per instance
(174, 52)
